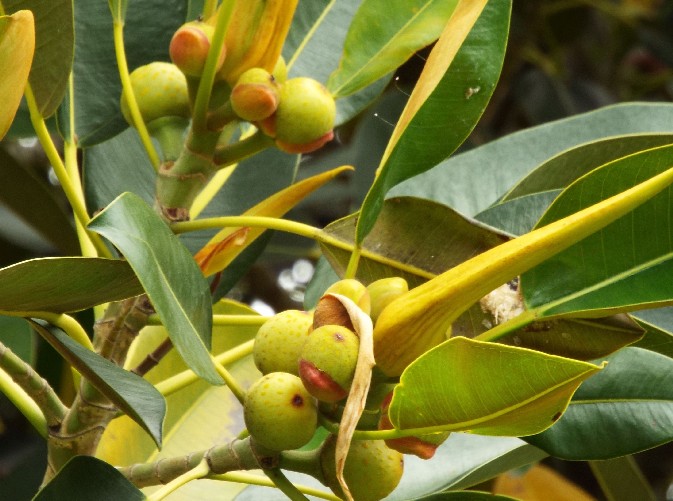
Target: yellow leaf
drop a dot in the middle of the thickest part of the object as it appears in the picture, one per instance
(539, 483)
(223, 248)
(17, 45)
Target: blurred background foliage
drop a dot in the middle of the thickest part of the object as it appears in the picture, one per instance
(564, 57)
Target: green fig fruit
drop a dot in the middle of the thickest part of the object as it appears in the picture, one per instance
(372, 470)
(160, 90)
(329, 310)
(327, 363)
(279, 341)
(255, 95)
(382, 292)
(279, 413)
(305, 115)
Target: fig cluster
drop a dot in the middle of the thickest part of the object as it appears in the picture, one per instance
(308, 361)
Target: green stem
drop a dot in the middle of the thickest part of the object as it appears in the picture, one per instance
(223, 320)
(50, 407)
(333, 428)
(23, 402)
(252, 479)
(187, 377)
(279, 479)
(230, 381)
(136, 117)
(234, 153)
(501, 330)
(71, 192)
(200, 113)
(353, 262)
(221, 117)
(209, 8)
(199, 471)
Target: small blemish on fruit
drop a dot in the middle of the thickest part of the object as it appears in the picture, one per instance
(297, 400)
(338, 337)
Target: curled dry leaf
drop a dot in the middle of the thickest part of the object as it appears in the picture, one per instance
(357, 397)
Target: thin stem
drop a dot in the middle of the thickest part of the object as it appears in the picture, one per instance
(200, 113)
(23, 402)
(125, 77)
(270, 223)
(199, 471)
(392, 433)
(230, 381)
(71, 192)
(252, 479)
(36, 399)
(279, 479)
(353, 262)
(221, 320)
(187, 377)
(152, 359)
(500, 330)
(234, 153)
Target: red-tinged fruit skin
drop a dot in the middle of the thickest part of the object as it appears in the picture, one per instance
(189, 48)
(327, 363)
(255, 96)
(297, 149)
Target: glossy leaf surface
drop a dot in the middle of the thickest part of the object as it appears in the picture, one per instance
(480, 177)
(626, 408)
(373, 49)
(84, 478)
(169, 275)
(623, 267)
(470, 392)
(65, 284)
(17, 44)
(54, 47)
(450, 96)
(137, 398)
(199, 415)
(413, 238)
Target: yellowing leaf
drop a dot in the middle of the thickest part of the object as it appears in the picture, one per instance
(17, 45)
(539, 483)
(223, 248)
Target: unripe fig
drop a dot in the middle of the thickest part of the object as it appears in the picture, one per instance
(279, 413)
(296, 149)
(329, 310)
(190, 45)
(423, 446)
(327, 362)
(280, 71)
(372, 470)
(255, 95)
(305, 114)
(160, 90)
(279, 341)
(382, 292)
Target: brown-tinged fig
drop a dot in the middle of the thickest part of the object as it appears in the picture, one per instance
(330, 310)
(255, 95)
(327, 362)
(279, 413)
(190, 45)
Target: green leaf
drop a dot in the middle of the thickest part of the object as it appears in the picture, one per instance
(199, 415)
(621, 478)
(65, 284)
(148, 29)
(84, 478)
(373, 49)
(128, 391)
(625, 266)
(486, 388)
(407, 223)
(30, 198)
(658, 324)
(115, 166)
(449, 97)
(17, 44)
(579, 339)
(54, 47)
(464, 460)
(472, 181)
(519, 215)
(315, 43)
(626, 408)
(169, 275)
(16, 334)
(564, 168)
